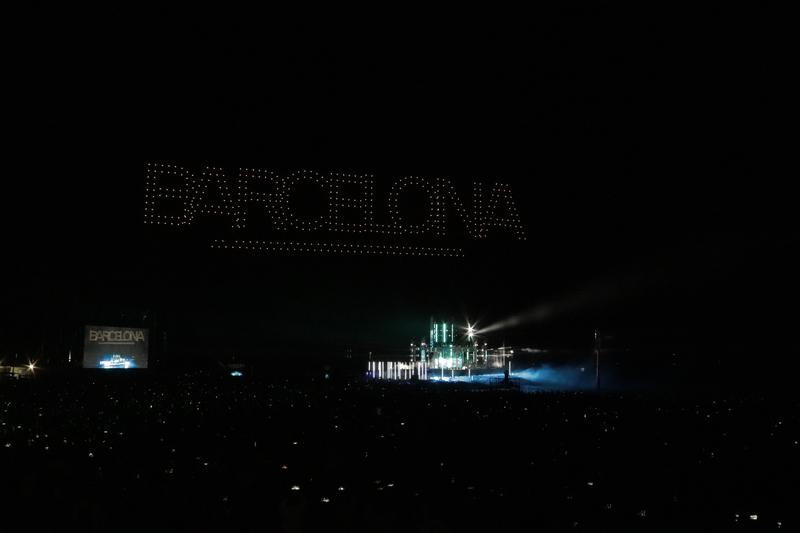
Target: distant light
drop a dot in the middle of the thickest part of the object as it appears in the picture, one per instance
(236, 374)
(31, 366)
(753, 517)
(325, 500)
(295, 487)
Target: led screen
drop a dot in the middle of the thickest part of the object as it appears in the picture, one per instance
(115, 348)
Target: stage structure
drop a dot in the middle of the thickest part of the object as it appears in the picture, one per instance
(449, 352)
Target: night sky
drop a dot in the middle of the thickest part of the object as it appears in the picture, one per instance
(640, 148)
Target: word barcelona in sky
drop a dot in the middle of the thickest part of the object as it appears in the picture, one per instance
(311, 212)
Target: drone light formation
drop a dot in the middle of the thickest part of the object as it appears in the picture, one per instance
(176, 196)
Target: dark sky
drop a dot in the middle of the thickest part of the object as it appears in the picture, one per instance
(639, 146)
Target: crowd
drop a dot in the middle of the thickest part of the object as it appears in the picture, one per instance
(199, 452)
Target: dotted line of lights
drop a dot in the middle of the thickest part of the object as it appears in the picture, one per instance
(335, 248)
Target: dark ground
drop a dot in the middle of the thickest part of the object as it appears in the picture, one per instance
(198, 452)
